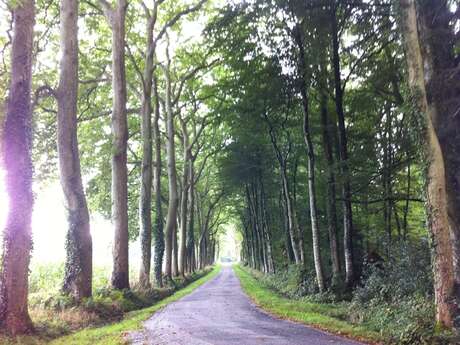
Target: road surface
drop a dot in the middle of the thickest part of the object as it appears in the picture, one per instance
(219, 313)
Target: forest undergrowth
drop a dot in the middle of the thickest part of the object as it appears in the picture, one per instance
(56, 314)
(389, 306)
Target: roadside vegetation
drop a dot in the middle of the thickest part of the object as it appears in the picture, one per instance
(383, 310)
(105, 317)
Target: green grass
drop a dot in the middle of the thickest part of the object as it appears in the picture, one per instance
(113, 334)
(323, 316)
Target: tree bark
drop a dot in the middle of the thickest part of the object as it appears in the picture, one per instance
(288, 242)
(343, 155)
(78, 265)
(17, 235)
(439, 37)
(191, 222)
(254, 225)
(171, 220)
(267, 232)
(120, 272)
(293, 228)
(145, 201)
(331, 208)
(184, 199)
(175, 258)
(158, 226)
(145, 213)
(386, 177)
(257, 198)
(421, 71)
(310, 164)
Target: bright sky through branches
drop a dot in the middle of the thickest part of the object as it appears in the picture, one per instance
(49, 224)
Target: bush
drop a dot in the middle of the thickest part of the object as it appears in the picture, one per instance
(408, 321)
(390, 281)
(397, 304)
(394, 297)
(295, 282)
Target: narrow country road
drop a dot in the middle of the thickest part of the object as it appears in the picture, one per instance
(219, 313)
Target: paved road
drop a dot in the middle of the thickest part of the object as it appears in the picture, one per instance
(219, 313)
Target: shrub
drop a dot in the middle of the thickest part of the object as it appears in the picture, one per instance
(397, 304)
(388, 300)
(390, 282)
(294, 282)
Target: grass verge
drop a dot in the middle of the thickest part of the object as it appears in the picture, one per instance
(323, 316)
(112, 334)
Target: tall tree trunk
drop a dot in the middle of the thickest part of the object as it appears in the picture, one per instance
(183, 233)
(298, 228)
(17, 235)
(331, 208)
(120, 274)
(116, 18)
(184, 199)
(191, 221)
(312, 199)
(145, 200)
(171, 220)
(439, 35)
(246, 249)
(267, 233)
(259, 225)
(421, 72)
(249, 239)
(158, 226)
(145, 212)
(202, 250)
(78, 265)
(253, 244)
(386, 177)
(310, 164)
(343, 154)
(200, 225)
(255, 225)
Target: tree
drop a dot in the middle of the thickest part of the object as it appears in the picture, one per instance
(17, 238)
(116, 18)
(292, 229)
(331, 209)
(188, 182)
(159, 235)
(429, 51)
(302, 71)
(147, 77)
(145, 200)
(78, 267)
(343, 151)
(184, 202)
(173, 201)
